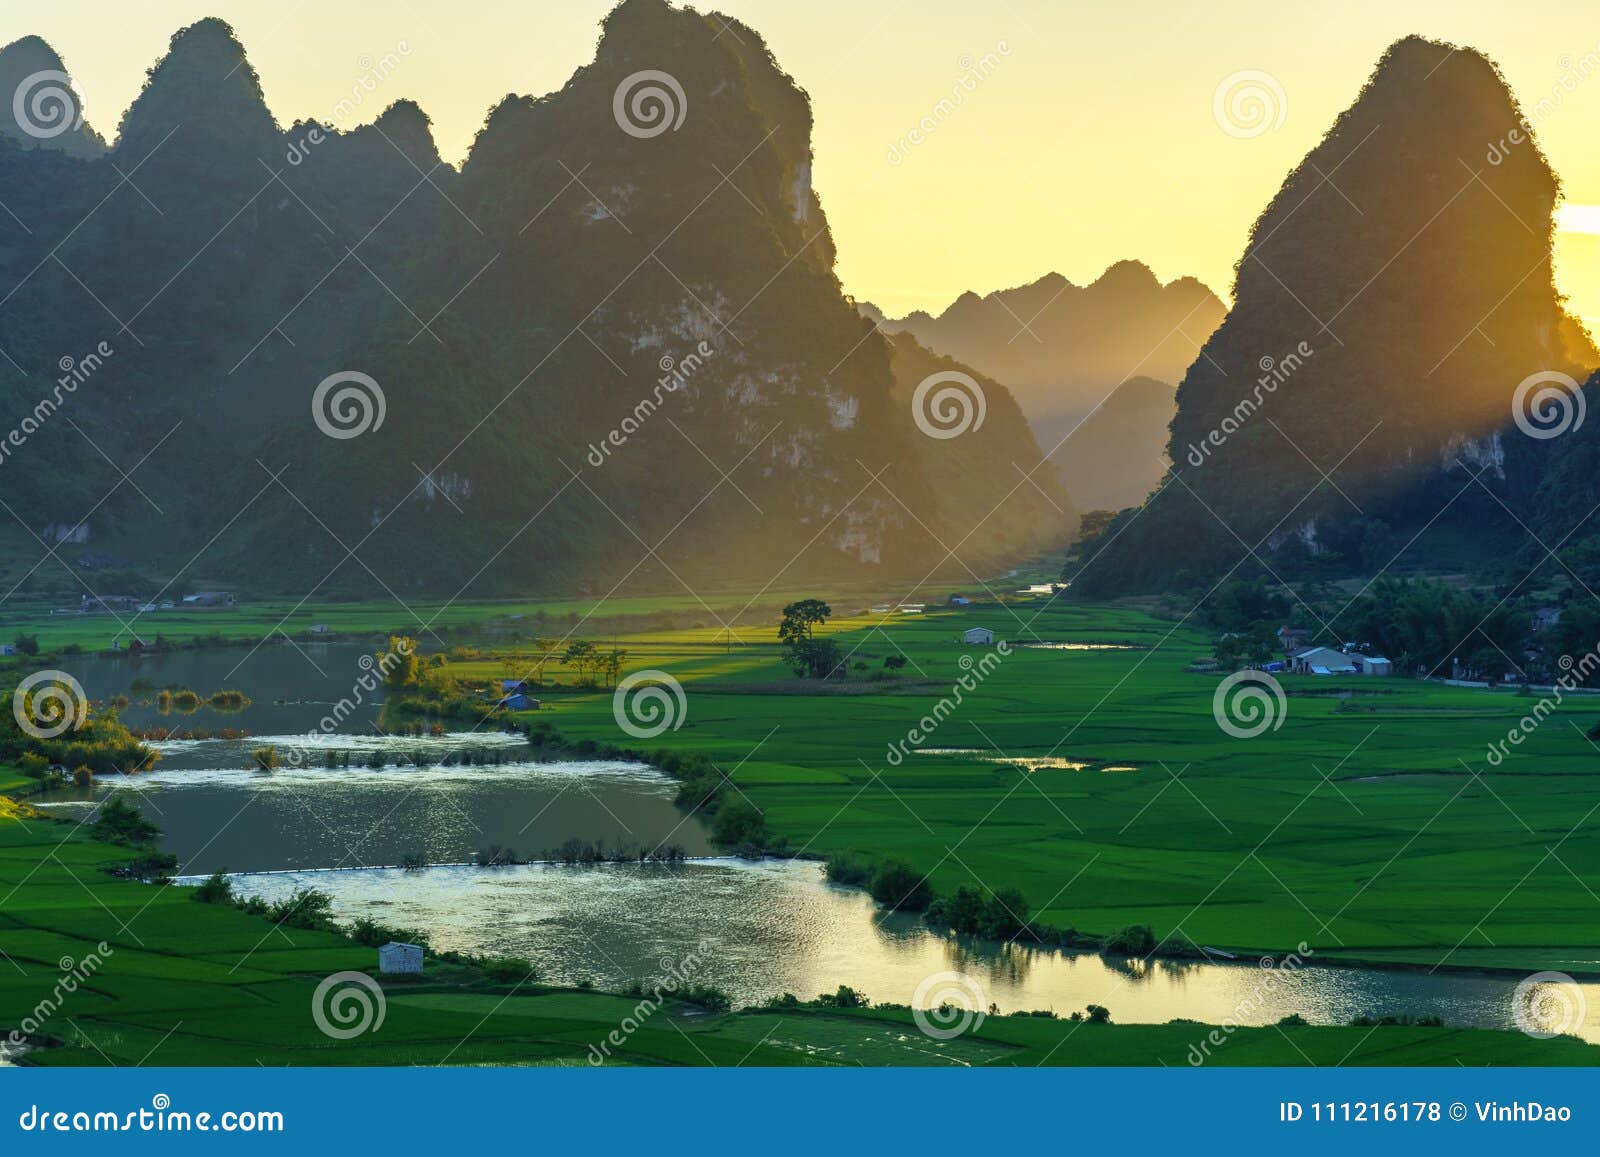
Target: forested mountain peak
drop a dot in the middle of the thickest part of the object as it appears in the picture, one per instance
(42, 109)
(204, 86)
(1391, 297)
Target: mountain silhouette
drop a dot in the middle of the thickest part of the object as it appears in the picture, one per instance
(1118, 454)
(1389, 301)
(608, 349)
(40, 107)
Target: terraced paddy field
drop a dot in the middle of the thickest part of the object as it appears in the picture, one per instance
(1367, 822)
(1367, 825)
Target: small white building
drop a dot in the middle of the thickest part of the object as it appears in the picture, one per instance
(395, 957)
(1323, 661)
(1373, 665)
(982, 636)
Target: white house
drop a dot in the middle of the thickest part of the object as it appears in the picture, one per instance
(980, 635)
(1323, 661)
(1373, 664)
(395, 957)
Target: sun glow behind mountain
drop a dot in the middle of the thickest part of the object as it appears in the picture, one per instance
(1095, 131)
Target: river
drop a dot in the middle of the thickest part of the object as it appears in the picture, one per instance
(753, 929)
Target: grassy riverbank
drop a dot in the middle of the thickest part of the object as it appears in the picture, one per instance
(184, 983)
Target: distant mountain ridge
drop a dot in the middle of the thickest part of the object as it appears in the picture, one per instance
(1062, 348)
(507, 317)
(1067, 352)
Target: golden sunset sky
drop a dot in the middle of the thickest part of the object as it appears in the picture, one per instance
(1092, 141)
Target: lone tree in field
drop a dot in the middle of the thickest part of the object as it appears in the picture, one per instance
(809, 656)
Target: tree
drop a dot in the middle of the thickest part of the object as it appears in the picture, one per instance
(581, 655)
(121, 823)
(399, 664)
(216, 889)
(544, 650)
(27, 644)
(610, 665)
(901, 888)
(808, 656)
(738, 824)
